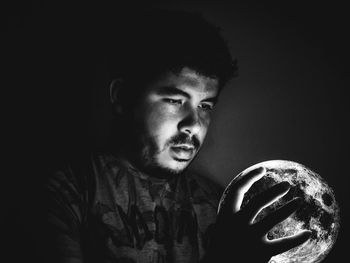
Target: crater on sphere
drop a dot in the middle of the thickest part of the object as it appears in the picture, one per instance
(319, 211)
(326, 220)
(327, 199)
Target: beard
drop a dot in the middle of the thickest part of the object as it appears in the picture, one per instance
(148, 161)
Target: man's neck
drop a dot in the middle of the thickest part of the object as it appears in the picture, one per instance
(152, 171)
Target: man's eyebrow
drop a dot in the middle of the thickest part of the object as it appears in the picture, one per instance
(213, 100)
(172, 91)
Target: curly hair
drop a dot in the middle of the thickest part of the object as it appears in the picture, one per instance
(142, 46)
(157, 41)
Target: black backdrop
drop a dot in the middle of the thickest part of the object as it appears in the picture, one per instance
(289, 102)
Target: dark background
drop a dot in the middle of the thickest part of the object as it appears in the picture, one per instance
(289, 101)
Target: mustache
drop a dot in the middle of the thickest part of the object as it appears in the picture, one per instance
(183, 138)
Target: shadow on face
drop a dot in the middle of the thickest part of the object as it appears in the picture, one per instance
(170, 121)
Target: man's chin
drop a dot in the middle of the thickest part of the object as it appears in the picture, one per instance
(162, 172)
(174, 168)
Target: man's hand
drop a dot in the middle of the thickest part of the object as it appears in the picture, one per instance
(236, 238)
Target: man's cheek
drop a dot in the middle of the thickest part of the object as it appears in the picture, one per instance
(204, 129)
(162, 123)
(161, 131)
(205, 120)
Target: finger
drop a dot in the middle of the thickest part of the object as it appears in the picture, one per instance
(233, 195)
(281, 245)
(278, 216)
(264, 199)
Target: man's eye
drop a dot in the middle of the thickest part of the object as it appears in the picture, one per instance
(173, 101)
(206, 107)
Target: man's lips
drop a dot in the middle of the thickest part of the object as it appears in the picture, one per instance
(186, 147)
(183, 151)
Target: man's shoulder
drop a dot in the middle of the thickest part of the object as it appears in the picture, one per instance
(81, 168)
(94, 160)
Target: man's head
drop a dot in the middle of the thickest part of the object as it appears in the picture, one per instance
(170, 81)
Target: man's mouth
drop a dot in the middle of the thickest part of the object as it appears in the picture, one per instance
(183, 152)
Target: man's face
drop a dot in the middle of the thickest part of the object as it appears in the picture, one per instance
(173, 118)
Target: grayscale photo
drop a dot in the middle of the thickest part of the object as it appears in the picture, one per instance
(175, 132)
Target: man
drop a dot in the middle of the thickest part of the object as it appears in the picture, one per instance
(138, 203)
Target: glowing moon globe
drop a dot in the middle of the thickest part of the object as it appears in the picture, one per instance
(319, 213)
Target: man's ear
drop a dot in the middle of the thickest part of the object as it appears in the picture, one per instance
(115, 95)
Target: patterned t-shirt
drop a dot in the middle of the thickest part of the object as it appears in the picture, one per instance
(105, 210)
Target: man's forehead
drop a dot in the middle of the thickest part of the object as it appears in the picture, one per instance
(188, 78)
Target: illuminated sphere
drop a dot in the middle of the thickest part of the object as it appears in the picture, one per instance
(319, 213)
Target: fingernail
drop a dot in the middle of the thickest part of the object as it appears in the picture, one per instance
(259, 169)
(307, 233)
(285, 185)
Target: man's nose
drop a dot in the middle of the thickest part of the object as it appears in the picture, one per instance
(190, 123)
